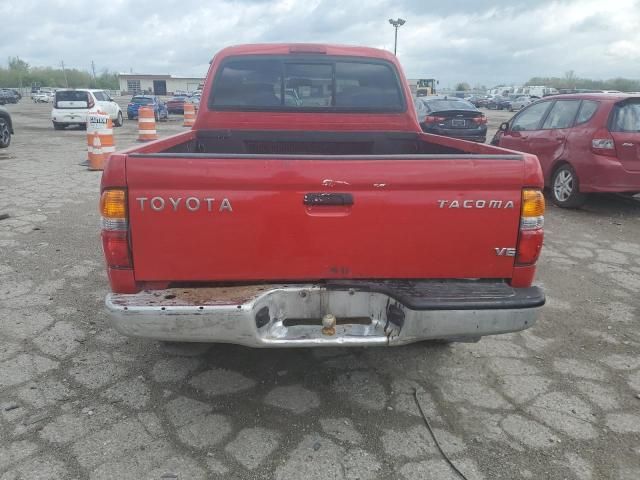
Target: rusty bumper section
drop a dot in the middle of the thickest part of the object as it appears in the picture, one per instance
(305, 316)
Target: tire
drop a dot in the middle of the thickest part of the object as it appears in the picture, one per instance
(565, 188)
(5, 134)
(156, 116)
(119, 120)
(58, 126)
(130, 117)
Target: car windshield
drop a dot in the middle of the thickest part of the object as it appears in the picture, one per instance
(335, 84)
(70, 96)
(449, 104)
(142, 100)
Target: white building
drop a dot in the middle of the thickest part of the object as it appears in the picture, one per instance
(157, 84)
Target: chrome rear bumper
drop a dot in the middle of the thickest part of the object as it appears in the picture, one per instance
(290, 316)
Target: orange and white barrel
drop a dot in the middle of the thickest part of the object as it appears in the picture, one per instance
(96, 154)
(101, 123)
(146, 124)
(189, 114)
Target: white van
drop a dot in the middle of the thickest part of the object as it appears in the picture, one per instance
(71, 106)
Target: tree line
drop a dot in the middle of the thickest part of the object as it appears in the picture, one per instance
(571, 80)
(20, 74)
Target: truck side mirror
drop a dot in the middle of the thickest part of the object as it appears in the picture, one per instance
(504, 126)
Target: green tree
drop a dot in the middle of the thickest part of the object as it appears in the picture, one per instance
(462, 87)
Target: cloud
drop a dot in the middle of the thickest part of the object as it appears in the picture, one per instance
(477, 41)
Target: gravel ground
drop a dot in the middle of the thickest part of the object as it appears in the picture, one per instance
(78, 400)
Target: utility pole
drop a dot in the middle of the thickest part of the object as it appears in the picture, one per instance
(396, 24)
(66, 81)
(93, 69)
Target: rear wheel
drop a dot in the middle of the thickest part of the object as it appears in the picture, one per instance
(565, 188)
(119, 120)
(5, 133)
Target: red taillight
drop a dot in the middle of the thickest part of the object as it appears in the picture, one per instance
(115, 245)
(531, 233)
(529, 246)
(434, 119)
(480, 120)
(603, 143)
(115, 228)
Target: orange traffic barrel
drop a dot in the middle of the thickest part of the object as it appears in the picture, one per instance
(146, 124)
(96, 154)
(189, 114)
(101, 123)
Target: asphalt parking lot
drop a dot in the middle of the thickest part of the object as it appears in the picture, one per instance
(78, 400)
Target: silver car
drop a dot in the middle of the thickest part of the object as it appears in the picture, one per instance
(521, 102)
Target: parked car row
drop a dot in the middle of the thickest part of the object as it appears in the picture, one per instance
(499, 102)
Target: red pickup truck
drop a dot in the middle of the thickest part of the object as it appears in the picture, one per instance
(307, 208)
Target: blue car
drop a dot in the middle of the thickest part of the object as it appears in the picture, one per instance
(159, 108)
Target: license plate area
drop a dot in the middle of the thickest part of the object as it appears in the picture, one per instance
(458, 122)
(293, 322)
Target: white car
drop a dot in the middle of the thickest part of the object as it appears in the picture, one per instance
(71, 107)
(43, 97)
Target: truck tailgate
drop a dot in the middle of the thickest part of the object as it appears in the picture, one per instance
(267, 218)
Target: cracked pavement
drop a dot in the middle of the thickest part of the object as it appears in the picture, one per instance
(80, 401)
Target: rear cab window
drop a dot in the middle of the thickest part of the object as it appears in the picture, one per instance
(287, 83)
(625, 116)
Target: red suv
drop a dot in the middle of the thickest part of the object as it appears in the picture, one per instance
(586, 143)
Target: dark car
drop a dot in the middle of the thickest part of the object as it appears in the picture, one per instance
(159, 108)
(451, 117)
(8, 96)
(6, 128)
(176, 104)
(498, 102)
(585, 143)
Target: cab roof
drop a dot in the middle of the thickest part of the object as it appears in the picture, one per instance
(306, 48)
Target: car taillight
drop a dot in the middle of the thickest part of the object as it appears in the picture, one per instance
(90, 102)
(433, 119)
(531, 233)
(115, 228)
(480, 120)
(602, 143)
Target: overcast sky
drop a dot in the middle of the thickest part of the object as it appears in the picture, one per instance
(478, 41)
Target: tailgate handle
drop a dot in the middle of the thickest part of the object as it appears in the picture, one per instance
(327, 199)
